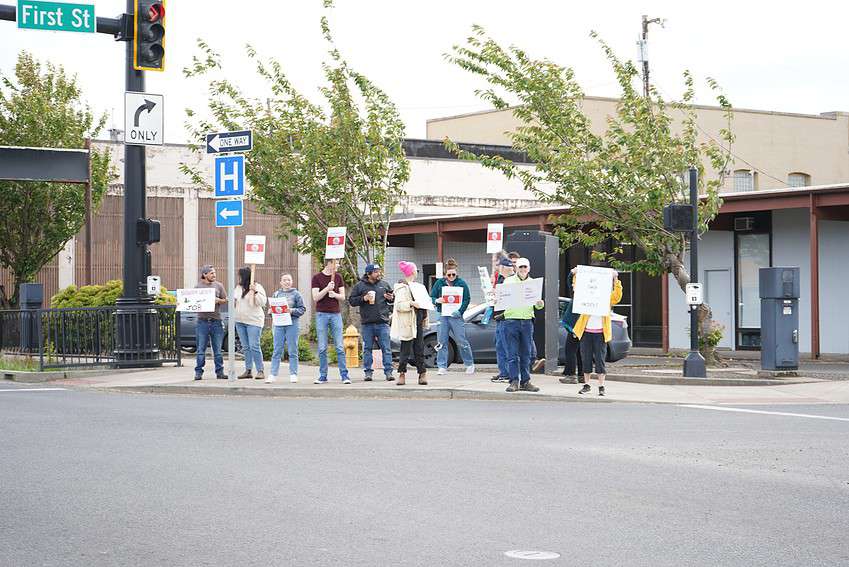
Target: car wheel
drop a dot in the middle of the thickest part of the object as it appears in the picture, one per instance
(430, 351)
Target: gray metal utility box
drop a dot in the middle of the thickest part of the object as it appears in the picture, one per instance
(779, 292)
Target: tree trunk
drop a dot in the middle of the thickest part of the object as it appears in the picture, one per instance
(675, 266)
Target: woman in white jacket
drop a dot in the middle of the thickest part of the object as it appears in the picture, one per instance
(250, 318)
(408, 322)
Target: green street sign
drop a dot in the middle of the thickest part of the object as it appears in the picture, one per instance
(56, 16)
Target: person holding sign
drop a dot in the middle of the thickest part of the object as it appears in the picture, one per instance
(327, 289)
(287, 307)
(250, 318)
(209, 327)
(519, 333)
(408, 321)
(452, 294)
(592, 329)
(374, 297)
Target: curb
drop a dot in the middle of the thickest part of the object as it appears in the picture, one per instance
(681, 381)
(28, 377)
(346, 394)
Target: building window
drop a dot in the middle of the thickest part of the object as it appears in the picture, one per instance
(798, 179)
(744, 180)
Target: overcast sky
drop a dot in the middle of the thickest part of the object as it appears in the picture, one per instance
(779, 56)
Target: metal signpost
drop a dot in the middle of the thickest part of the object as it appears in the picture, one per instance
(229, 176)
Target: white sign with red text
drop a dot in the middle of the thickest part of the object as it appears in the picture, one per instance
(254, 249)
(335, 242)
(494, 238)
(452, 297)
(281, 316)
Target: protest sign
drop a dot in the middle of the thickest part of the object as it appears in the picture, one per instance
(421, 296)
(335, 242)
(518, 294)
(452, 297)
(494, 237)
(486, 285)
(254, 249)
(196, 300)
(593, 286)
(280, 314)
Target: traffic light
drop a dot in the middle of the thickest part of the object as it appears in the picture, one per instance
(149, 35)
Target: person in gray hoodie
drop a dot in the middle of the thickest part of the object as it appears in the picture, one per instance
(287, 335)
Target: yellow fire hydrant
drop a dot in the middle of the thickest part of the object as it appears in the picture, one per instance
(351, 342)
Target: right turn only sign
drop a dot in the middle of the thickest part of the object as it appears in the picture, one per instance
(143, 119)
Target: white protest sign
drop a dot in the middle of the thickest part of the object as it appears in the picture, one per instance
(438, 270)
(281, 316)
(486, 285)
(452, 297)
(335, 242)
(196, 300)
(494, 237)
(510, 295)
(421, 296)
(593, 286)
(254, 249)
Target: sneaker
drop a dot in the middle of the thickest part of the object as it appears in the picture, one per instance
(601, 390)
(581, 379)
(245, 375)
(538, 365)
(271, 379)
(513, 387)
(585, 389)
(320, 381)
(568, 380)
(441, 372)
(221, 376)
(260, 375)
(390, 378)
(198, 376)
(293, 378)
(367, 378)
(346, 380)
(499, 379)
(528, 387)
(470, 369)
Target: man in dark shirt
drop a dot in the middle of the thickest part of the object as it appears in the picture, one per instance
(374, 297)
(327, 289)
(209, 327)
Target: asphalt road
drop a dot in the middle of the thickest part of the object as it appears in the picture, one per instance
(97, 479)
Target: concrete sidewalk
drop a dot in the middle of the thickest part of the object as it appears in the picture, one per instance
(457, 385)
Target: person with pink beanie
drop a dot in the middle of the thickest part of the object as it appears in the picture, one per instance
(408, 321)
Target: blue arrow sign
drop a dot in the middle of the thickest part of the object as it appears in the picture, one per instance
(230, 176)
(229, 213)
(226, 142)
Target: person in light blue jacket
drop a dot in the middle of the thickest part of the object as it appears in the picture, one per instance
(287, 335)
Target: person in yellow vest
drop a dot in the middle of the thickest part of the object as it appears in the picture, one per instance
(594, 332)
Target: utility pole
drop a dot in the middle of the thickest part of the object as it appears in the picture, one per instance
(694, 364)
(644, 52)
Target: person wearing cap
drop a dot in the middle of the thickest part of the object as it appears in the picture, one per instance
(209, 327)
(505, 270)
(409, 319)
(374, 297)
(452, 323)
(519, 334)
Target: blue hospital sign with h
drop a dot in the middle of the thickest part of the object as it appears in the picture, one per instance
(230, 176)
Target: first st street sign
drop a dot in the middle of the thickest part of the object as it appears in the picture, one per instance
(56, 16)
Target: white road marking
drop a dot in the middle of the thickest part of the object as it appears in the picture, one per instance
(784, 413)
(33, 389)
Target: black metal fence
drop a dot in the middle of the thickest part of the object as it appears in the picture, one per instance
(93, 336)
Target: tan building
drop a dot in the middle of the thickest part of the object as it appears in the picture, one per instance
(771, 150)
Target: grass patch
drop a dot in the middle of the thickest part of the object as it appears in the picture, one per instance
(23, 364)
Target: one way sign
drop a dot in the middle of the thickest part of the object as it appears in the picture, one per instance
(224, 142)
(143, 119)
(229, 213)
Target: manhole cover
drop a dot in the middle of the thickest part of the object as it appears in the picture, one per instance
(526, 554)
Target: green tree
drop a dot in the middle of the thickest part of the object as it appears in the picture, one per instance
(617, 182)
(41, 106)
(315, 165)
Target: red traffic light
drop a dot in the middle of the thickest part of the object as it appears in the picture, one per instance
(155, 13)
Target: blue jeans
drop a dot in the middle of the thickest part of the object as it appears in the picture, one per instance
(501, 350)
(518, 334)
(209, 330)
(379, 331)
(334, 322)
(249, 336)
(454, 326)
(285, 336)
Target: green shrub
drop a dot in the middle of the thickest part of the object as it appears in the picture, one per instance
(99, 296)
(266, 344)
